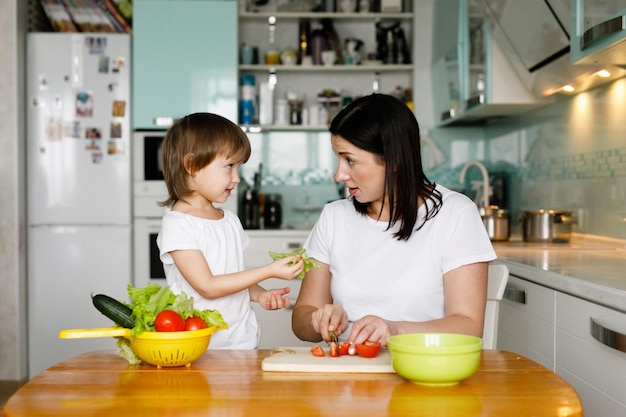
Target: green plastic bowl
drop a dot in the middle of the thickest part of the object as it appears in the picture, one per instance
(436, 359)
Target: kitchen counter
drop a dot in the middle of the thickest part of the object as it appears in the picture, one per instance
(588, 267)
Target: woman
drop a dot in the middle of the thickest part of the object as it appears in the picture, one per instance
(402, 254)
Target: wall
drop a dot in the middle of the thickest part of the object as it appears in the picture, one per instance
(12, 203)
(569, 156)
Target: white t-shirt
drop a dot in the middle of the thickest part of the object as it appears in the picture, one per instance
(374, 273)
(222, 243)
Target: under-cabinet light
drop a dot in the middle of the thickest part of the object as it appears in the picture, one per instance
(568, 88)
(603, 73)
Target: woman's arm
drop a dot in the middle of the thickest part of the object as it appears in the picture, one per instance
(315, 298)
(193, 266)
(465, 295)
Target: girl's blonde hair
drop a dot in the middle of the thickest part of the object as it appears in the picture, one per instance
(192, 143)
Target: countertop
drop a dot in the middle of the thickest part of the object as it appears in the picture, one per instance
(231, 383)
(589, 267)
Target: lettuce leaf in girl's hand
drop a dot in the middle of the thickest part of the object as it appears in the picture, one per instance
(299, 252)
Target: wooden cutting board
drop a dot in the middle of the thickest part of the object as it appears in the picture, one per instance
(300, 359)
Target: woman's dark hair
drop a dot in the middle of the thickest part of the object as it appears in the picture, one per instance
(192, 143)
(386, 127)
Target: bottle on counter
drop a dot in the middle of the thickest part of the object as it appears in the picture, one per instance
(272, 211)
(251, 210)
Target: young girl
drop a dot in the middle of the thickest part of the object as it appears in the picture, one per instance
(202, 246)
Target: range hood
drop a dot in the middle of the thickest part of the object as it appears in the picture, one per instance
(535, 37)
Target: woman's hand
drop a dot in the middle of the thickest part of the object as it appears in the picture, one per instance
(329, 318)
(274, 299)
(372, 328)
(287, 268)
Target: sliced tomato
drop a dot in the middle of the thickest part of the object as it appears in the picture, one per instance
(344, 348)
(334, 350)
(194, 323)
(368, 349)
(317, 350)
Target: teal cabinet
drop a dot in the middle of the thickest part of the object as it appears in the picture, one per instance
(599, 35)
(473, 79)
(184, 60)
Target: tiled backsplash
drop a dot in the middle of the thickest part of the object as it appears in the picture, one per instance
(570, 156)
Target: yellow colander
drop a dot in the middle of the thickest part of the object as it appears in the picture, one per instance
(156, 348)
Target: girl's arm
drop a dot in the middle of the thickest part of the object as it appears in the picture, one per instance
(193, 266)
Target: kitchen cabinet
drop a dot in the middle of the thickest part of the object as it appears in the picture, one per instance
(278, 31)
(526, 321)
(591, 354)
(184, 60)
(599, 34)
(275, 325)
(473, 80)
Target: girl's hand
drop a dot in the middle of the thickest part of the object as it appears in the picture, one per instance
(288, 267)
(274, 299)
(329, 318)
(372, 328)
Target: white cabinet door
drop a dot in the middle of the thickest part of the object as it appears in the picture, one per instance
(591, 354)
(526, 322)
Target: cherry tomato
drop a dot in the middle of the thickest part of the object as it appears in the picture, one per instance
(344, 347)
(317, 350)
(194, 323)
(169, 321)
(368, 349)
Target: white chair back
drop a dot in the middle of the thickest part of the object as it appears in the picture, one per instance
(496, 283)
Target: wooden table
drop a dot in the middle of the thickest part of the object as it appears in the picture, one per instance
(231, 383)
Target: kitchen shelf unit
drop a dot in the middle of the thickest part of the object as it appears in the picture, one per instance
(309, 81)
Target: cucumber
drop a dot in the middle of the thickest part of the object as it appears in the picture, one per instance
(113, 309)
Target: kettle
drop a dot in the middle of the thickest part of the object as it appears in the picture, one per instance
(353, 51)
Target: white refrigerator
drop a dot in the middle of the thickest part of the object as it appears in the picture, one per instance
(78, 187)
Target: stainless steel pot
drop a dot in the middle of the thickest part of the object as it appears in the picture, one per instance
(498, 224)
(547, 226)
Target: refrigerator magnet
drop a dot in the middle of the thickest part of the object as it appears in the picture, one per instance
(93, 133)
(116, 130)
(115, 147)
(119, 108)
(96, 157)
(84, 104)
(103, 64)
(73, 129)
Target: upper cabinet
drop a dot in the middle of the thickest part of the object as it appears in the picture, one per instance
(599, 33)
(473, 79)
(184, 60)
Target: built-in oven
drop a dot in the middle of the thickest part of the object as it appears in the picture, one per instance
(148, 190)
(147, 264)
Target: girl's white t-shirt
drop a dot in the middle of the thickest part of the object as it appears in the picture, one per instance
(222, 243)
(375, 274)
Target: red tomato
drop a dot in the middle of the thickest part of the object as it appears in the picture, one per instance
(334, 350)
(169, 321)
(368, 349)
(317, 350)
(343, 348)
(194, 323)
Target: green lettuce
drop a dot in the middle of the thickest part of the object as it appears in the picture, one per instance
(300, 252)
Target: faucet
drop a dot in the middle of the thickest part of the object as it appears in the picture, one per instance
(486, 187)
